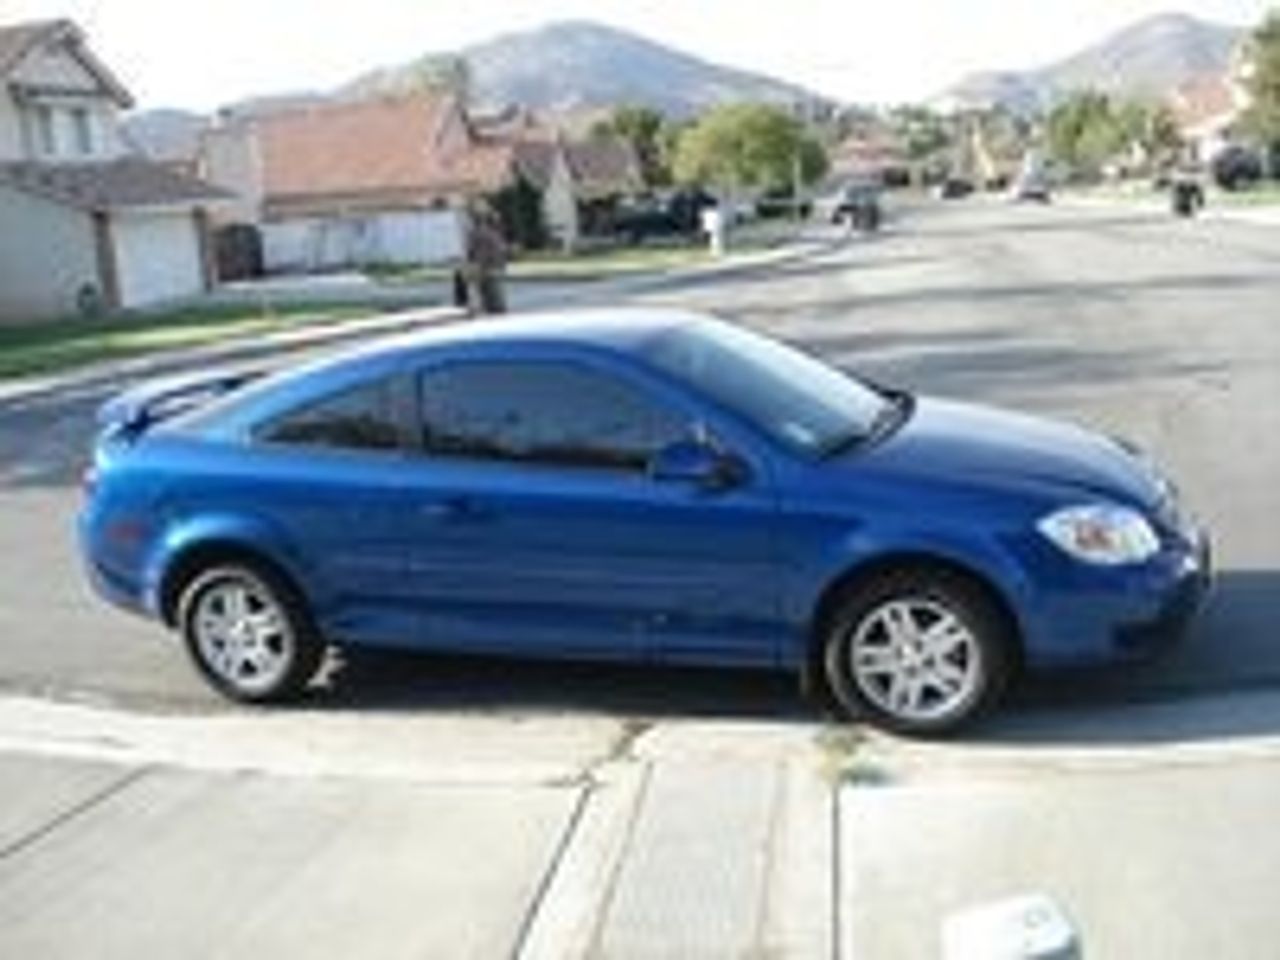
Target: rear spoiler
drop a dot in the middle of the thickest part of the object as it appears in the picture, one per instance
(134, 411)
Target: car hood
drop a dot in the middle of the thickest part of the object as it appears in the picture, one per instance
(943, 440)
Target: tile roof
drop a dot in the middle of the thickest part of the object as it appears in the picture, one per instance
(604, 165)
(1202, 99)
(398, 146)
(109, 185)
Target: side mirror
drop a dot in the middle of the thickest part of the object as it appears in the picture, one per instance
(699, 464)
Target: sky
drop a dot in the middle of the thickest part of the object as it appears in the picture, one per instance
(198, 55)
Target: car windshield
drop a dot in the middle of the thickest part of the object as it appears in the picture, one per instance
(802, 403)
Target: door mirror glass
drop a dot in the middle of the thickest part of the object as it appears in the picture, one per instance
(700, 464)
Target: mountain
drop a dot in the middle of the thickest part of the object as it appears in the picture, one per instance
(164, 134)
(575, 65)
(1146, 60)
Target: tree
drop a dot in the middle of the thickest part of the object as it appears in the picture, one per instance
(1262, 118)
(923, 133)
(748, 145)
(645, 130)
(1088, 129)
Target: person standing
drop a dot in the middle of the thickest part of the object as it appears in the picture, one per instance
(486, 260)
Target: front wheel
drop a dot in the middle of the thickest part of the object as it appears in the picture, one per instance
(918, 652)
(249, 634)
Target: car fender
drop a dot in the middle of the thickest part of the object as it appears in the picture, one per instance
(249, 532)
(983, 555)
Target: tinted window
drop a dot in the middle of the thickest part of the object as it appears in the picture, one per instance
(796, 399)
(543, 413)
(360, 419)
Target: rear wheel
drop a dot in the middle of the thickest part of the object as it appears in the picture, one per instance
(918, 652)
(249, 633)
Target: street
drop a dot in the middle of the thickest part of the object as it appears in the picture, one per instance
(1125, 321)
(1129, 323)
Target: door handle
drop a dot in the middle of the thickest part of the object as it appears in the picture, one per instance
(451, 508)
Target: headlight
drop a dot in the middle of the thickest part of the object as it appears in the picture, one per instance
(1106, 535)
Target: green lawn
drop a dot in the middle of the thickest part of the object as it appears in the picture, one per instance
(1265, 195)
(46, 347)
(555, 266)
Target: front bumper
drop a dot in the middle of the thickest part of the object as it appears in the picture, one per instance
(1101, 617)
(1186, 597)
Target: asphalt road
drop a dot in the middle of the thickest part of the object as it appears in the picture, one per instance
(1128, 322)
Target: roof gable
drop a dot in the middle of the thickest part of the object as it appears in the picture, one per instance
(19, 42)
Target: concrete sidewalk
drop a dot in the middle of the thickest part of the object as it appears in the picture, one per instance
(311, 835)
(560, 836)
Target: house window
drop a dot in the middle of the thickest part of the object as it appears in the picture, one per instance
(82, 124)
(45, 132)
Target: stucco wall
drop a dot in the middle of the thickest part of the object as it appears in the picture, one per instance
(46, 255)
(229, 159)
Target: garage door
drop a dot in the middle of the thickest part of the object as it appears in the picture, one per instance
(158, 257)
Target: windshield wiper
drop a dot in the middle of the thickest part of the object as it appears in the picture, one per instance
(895, 412)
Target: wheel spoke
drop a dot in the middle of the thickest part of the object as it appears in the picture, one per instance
(946, 636)
(899, 622)
(948, 678)
(876, 660)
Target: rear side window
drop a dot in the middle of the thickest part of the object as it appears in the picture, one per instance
(362, 418)
(554, 414)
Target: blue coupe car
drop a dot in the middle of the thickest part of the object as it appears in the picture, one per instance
(631, 485)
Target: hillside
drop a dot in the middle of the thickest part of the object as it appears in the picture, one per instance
(1146, 60)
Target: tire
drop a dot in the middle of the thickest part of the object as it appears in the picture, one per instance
(882, 666)
(264, 650)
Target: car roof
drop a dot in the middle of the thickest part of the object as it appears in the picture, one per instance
(616, 329)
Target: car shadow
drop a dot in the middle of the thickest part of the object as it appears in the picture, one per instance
(367, 679)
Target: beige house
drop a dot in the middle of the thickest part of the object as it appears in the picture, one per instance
(84, 225)
(1208, 108)
(350, 183)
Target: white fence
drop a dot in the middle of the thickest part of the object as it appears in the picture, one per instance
(404, 238)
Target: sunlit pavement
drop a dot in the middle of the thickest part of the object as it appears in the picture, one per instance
(447, 808)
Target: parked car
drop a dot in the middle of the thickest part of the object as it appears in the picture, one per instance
(676, 216)
(856, 204)
(1031, 189)
(1236, 168)
(954, 188)
(637, 486)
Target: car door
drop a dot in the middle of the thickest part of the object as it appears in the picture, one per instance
(328, 478)
(539, 530)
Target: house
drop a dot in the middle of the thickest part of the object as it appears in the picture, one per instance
(84, 224)
(1207, 108)
(581, 182)
(385, 180)
(337, 184)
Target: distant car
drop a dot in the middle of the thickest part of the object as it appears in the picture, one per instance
(1030, 189)
(1237, 167)
(635, 486)
(856, 204)
(954, 188)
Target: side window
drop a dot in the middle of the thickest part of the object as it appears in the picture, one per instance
(547, 413)
(362, 418)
